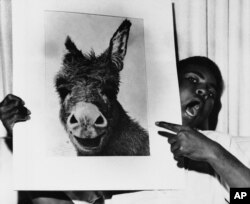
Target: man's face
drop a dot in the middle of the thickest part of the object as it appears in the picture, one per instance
(198, 94)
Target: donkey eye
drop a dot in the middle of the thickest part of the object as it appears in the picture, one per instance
(63, 92)
(62, 87)
(109, 92)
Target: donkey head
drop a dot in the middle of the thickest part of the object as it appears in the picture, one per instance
(88, 86)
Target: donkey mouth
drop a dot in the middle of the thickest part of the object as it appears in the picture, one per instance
(90, 142)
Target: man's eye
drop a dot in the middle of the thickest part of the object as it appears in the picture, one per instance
(212, 94)
(193, 80)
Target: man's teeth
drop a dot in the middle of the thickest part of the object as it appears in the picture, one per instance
(196, 107)
(190, 113)
(193, 111)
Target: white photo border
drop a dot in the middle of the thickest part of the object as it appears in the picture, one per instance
(157, 171)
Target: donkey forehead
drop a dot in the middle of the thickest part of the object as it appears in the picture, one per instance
(87, 85)
(91, 68)
(87, 93)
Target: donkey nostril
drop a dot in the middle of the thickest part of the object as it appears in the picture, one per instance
(99, 120)
(73, 119)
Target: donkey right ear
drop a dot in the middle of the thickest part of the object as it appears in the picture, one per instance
(73, 53)
(70, 45)
(118, 44)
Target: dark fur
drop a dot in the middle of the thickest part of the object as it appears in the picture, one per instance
(95, 80)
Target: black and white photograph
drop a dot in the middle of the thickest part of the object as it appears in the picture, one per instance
(123, 102)
(91, 92)
(96, 74)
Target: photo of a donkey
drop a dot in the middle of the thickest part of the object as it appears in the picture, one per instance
(88, 86)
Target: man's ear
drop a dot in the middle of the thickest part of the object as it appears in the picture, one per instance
(118, 44)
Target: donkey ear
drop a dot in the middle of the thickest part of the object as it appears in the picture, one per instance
(70, 45)
(74, 54)
(118, 44)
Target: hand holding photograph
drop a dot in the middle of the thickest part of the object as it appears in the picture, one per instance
(96, 82)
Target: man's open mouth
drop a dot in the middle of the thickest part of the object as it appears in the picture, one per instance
(193, 108)
(90, 142)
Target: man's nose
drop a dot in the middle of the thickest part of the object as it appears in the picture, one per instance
(202, 91)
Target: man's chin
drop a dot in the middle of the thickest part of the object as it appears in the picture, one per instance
(192, 122)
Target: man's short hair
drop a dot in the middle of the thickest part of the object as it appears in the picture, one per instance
(204, 62)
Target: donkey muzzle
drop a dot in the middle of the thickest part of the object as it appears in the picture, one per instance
(86, 121)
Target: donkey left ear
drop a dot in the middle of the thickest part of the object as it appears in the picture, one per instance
(118, 44)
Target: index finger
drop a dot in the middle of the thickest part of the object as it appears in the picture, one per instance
(166, 134)
(170, 126)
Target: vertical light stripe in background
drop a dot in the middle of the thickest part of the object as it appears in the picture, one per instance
(1, 51)
(7, 195)
(235, 65)
(5, 48)
(198, 38)
(244, 83)
(218, 49)
(183, 31)
(191, 38)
